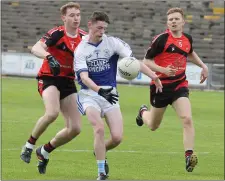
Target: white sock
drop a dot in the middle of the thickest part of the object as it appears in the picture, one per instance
(30, 146)
(44, 153)
(101, 166)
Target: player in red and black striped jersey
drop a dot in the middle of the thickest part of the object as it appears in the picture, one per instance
(167, 56)
(56, 84)
(60, 44)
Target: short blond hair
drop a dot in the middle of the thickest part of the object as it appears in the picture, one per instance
(175, 10)
(64, 8)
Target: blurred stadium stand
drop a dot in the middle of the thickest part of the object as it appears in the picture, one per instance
(136, 22)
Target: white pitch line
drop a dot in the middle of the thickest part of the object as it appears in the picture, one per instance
(116, 151)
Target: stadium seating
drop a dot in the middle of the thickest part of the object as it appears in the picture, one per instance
(136, 22)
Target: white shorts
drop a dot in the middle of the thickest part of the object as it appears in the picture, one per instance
(89, 98)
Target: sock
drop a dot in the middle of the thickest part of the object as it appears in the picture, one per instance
(48, 147)
(32, 140)
(101, 166)
(28, 145)
(44, 153)
(188, 152)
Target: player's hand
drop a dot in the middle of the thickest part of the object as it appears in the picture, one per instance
(158, 85)
(170, 71)
(110, 97)
(204, 74)
(54, 65)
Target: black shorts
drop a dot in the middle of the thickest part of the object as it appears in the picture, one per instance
(66, 86)
(167, 96)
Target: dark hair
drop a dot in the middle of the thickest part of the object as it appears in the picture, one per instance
(99, 16)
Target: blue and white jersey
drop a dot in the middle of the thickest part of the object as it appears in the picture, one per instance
(100, 60)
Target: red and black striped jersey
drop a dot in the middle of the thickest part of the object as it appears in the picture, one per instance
(167, 50)
(61, 46)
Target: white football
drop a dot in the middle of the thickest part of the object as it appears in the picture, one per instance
(128, 68)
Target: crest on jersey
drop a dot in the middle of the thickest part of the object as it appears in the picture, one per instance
(106, 53)
(72, 44)
(97, 52)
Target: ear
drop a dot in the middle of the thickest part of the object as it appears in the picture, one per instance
(184, 22)
(167, 26)
(89, 24)
(63, 18)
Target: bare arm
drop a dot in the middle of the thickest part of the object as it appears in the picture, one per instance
(194, 58)
(39, 50)
(169, 71)
(151, 64)
(88, 82)
(147, 71)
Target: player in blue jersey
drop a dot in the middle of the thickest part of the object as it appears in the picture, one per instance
(95, 62)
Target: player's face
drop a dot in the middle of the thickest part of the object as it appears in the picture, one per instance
(98, 29)
(72, 18)
(175, 22)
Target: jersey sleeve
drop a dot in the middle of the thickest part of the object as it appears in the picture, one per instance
(122, 48)
(190, 40)
(80, 64)
(52, 37)
(156, 47)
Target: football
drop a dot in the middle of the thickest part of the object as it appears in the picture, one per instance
(128, 68)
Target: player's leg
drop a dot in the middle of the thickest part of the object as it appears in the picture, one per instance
(153, 117)
(115, 123)
(52, 106)
(72, 129)
(182, 106)
(50, 97)
(94, 116)
(87, 104)
(73, 121)
(72, 117)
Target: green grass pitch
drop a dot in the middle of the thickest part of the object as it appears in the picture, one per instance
(143, 154)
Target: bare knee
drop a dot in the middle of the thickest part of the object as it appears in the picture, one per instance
(73, 132)
(117, 139)
(153, 125)
(187, 121)
(99, 129)
(51, 116)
